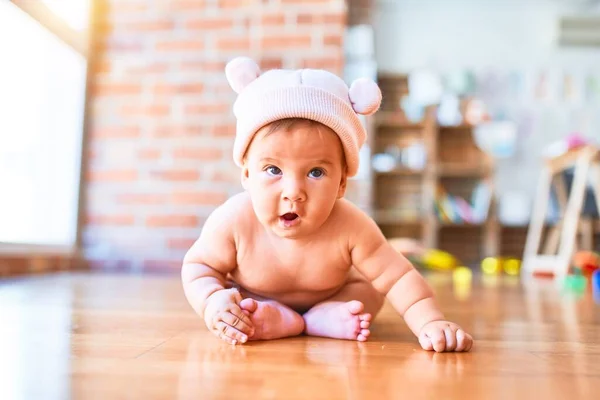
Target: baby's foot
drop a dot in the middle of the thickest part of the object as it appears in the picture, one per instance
(340, 320)
(272, 320)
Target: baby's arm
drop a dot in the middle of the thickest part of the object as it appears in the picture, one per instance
(205, 267)
(393, 275)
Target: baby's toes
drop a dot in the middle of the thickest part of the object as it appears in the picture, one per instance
(355, 307)
(365, 317)
(365, 324)
(363, 335)
(249, 305)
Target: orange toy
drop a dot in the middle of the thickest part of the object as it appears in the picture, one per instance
(587, 261)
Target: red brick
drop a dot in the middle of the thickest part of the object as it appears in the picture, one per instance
(203, 66)
(178, 88)
(180, 45)
(198, 153)
(233, 43)
(149, 26)
(180, 221)
(177, 131)
(112, 220)
(328, 63)
(315, 19)
(210, 23)
(116, 89)
(180, 243)
(114, 175)
(207, 109)
(223, 130)
(333, 40)
(338, 19)
(153, 110)
(201, 198)
(286, 42)
(273, 19)
(238, 3)
(227, 177)
(271, 63)
(114, 132)
(147, 68)
(187, 5)
(141, 198)
(149, 154)
(177, 175)
(120, 45)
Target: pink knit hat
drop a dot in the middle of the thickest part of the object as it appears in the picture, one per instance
(313, 94)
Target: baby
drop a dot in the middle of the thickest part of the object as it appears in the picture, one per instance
(290, 255)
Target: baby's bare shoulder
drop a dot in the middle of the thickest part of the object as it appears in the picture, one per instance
(349, 215)
(355, 223)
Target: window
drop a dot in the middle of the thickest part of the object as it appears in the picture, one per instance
(42, 100)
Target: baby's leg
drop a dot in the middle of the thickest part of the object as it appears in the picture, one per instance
(348, 313)
(271, 320)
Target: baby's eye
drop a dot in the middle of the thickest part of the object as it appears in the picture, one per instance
(316, 173)
(273, 170)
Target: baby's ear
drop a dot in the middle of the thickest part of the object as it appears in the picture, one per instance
(245, 175)
(343, 184)
(240, 72)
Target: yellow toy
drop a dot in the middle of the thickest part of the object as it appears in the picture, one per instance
(491, 266)
(439, 260)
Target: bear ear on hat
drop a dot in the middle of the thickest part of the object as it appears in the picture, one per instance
(240, 72)
(365, 96)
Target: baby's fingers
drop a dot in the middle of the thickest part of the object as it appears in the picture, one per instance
(229, 333)
(450, 336)
(438, 340)
(425, 342)
(464, 341)
(236, 318)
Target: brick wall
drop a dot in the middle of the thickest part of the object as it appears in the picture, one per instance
(158, 157)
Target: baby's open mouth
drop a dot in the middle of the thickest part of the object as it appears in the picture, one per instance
(289, 216)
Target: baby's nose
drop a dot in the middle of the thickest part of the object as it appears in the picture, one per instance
(293, 190)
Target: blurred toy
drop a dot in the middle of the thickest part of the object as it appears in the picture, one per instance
(448, 113)
(439, 260)
(596, 284)
(575, 283)
(462, 275)
(491, 266)
(512, 266)
(476, 112)
(586, 261)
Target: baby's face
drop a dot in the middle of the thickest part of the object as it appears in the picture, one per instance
(294, 177)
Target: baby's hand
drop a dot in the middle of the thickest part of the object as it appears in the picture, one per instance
(444, 336)
(224, 317)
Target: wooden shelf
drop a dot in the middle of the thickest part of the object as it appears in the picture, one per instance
(405, 200)
(395, 217)
(392, 119)
(400, 172)
(444, 224)
(461, 127)
(458, 170)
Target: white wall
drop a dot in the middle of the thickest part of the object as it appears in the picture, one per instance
(448, 34)
(494, 35)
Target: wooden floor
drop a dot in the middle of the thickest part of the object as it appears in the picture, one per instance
(90, 336)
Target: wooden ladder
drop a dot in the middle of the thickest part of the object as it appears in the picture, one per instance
(565, 231)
